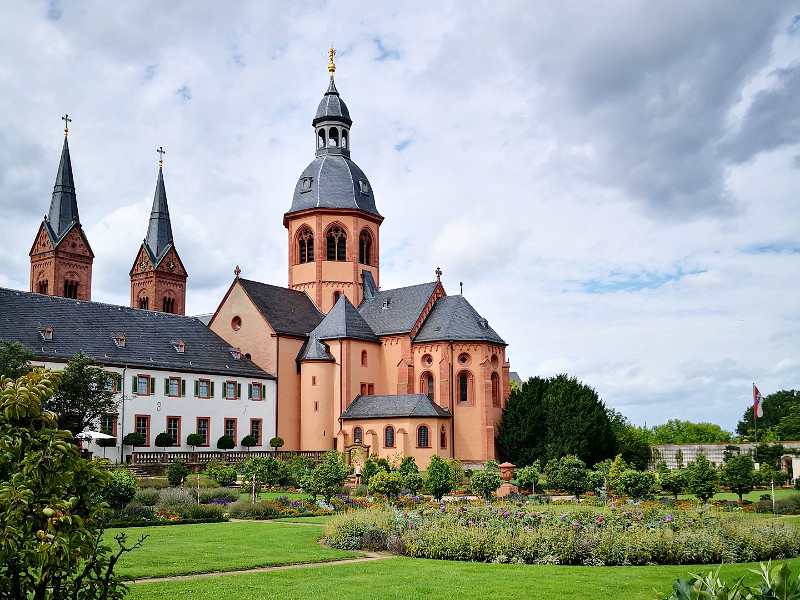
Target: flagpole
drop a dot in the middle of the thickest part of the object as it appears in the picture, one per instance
(755, 423)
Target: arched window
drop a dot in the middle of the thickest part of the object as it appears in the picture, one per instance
(443, 438)
(305, 241)
(388, 437)
(344, 138)
(336, 296)
(169, 304)
(422, 436)
(144, 302)
(363, 358)
(464, 387)
(337, 240)
(357, 435)
(365, 248)
(71, 289)
(495, 389)
(321, 138)
(426, 384)
(333, 137)
(43, 286)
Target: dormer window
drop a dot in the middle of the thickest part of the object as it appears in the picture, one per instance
(363, 186)
(179, 346)
(236, 353)
(305, 184)
(385, 304)
(47, 333)
(120, 340)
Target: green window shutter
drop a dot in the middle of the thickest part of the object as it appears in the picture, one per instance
(196, 388)
(135, 385)
(152, 385)
(250, 391)
(166, 386)
(211, 391)
(183, 387)
(238, 390)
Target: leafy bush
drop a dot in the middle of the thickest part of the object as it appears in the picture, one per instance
(195, 439)
(329, 476)
(528, 477)
(485, 482)
(567, 473)
(134, 438)
(172, 497)
(224, 475)
(361, 490)
(146, 496)
(258, 511)
(413, 482)
(219, 495)
(267, 470)
(249, 441)
(121, 489)
(777, 583)
(440, 478)
(226, 442)
(369, 469)
(408, 465)
(276, 442)
(163, 440)
(347, 531)
(207, 513)
(177, 471)
(674, 482)
(388, 484)
(636, 484)
(702, 478)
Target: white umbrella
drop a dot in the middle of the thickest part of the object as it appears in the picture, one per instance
(95, 435)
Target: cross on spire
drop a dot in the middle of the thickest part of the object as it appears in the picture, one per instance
(161, 153)
(237, 271)
(67, 121)
(438, 274)
(331, 66)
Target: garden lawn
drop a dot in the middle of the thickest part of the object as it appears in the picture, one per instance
(204, 548)
(407, 578)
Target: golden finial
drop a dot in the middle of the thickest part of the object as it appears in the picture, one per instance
(161, 153)
(331, 66)
(67, 121)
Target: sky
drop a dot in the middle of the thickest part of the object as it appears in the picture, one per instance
(614, 183)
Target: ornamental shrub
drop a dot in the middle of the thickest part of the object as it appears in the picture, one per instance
(174, 497)
(485, 483)
(121, 489)
(177, 471)
(146, 496)
(276, 442)
(778, 583)
(368, 470)
(163, 440)
(267, 470)
(440, 478)
(702, 478)
(329, 475)
(218, 494)
(226, 442)
(528, 477)
(224, 475)
(408, 465)
(674, 482)
(635, 484)
(413, 482)
(249, 441)
(134, 438)
(567, 473)
(388, 484)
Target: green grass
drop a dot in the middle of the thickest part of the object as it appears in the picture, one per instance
(753, 496)
(204, 548)
(406, 578)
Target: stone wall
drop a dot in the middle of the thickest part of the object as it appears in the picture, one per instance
(716, 453)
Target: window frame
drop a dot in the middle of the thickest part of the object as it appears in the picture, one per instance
(467, 396)
(207, 421)
(209, 389)
(114, 421)
(149, 386)
(386, 430)
(260, 436)
(181, 384)
(358, 435)
(495, 381)
(251, 391)
(146, 427)
(427, 431)
(235, 422)
(166, 429)
(237, 389)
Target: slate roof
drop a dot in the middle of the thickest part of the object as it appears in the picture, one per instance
(344, 321)
(370, 287)
(453, 318)
(64, 203)
(334, 184)
(150, 337)
(332, 106)
(396, 311)
(399, 405)
(159, 231)
(315, 349)
(289, 312)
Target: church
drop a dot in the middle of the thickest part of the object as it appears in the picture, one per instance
(342, 363)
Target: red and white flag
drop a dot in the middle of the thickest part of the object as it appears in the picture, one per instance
(757, 400)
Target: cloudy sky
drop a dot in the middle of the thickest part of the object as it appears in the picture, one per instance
(615, 183)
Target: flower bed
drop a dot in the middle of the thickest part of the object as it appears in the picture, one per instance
(181, 515)
(276, 508)
(506, 532)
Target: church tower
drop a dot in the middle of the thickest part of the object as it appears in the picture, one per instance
(333, 223)
(61, 258)
(158, 279)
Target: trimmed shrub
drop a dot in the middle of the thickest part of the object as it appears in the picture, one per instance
(163, 440)
(485, 482)
(388, 484)
(249, 441)
(408, 465)
(146, 496)
(226, 442)
(207, 513)
(224, 475)
(567, 473)
(194, 439)
(276, 442)
(636, 484)
(134, 438)
(257, 511)
(121, 489)
(177, 471)
(413, 482)
(440, 477)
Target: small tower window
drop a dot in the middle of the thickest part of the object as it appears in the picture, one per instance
(71, 289)
(168, 305)
(337, 240)
(305, 242)
(443, 437)
(144, 302)
(464, 387)
(321, 138)
(363, 358)
(365, 248)
(43, 287)
(333, 137)
(336, 296)
(344, 138)
(305, 184)
(495, 389)
(363, 186)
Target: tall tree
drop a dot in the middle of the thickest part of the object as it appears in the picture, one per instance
(15, 359)
(775, 407)
(550, 418)
(632, 442)
(676, 431)
(81, 398)
(739, 474)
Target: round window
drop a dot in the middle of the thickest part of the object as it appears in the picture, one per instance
(236, 323)
(427, 359)
(463, 358)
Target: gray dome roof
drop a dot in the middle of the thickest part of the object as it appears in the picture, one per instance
(333, 181)
(332, 106)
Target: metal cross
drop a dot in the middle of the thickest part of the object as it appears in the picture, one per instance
(236, 271)
(438, 274)
(67, 121)
(162, 152)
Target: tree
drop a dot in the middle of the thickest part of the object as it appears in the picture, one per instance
(248, 442)
(567, 473)
(82, 397)
(632, 442)
(224, 475)
(408, 465)
(267, 470)
(329, 476)
(775, 407)
(788, 428)
(636, 484)
(702, 478)
(485, 482)
(388, 484)
(528, 477)
(676, 431)
(276, 442)
(164, 441)
(195, 439)
(226, 442)
(674, 482)
(440, 478)
(550, 418)
(615, 469)
(739, 474)
(51, 509)
(134, 438)
(15, 359)
(121, 489)
(177, 472)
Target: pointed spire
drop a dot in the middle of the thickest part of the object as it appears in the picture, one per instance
(64, 204)
(159, 231)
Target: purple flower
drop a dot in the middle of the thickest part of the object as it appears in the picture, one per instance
(591, 527)
(630, 527)
(576, 524)
(670, 517)
(661, 522)
(489, 507)
(483, 523)
(688, 522)
(470, 523)
(562, 517)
